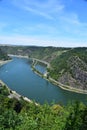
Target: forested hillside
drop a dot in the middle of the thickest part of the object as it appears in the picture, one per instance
(70, 68)
(18, 114)
(44, 53)
(3, 55)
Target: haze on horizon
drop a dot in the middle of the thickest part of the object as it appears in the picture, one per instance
(58, 23)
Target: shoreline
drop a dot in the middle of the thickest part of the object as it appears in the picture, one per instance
(67, 88)
(4, 62)
(14, 94)
(19, 56)
(58, 84)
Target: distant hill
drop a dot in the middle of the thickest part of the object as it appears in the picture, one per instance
(45, 53)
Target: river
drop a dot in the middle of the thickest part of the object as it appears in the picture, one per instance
(19, 76)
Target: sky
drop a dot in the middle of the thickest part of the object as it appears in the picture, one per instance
(60, 23)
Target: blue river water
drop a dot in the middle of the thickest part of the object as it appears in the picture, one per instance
(19, 76)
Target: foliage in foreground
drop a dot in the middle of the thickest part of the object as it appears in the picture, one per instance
(21, 115)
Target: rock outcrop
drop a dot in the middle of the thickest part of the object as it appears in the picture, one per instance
(76, 75)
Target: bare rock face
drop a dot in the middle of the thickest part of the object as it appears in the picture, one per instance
(77, 74)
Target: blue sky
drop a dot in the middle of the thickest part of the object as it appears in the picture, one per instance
(61, 23)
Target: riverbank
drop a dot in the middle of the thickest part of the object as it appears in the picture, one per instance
(14, 94)
(66, 87)
(4, 62)
(62, 86)
(19, 56)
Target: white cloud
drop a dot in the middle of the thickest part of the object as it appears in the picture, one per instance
(36, 29)
(71, 24)
(62, 23)
(35, 11)
(45, 9)
(71, 18)
(53, 10)
(23, 40)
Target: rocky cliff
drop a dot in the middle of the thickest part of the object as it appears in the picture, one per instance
(76, 75)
